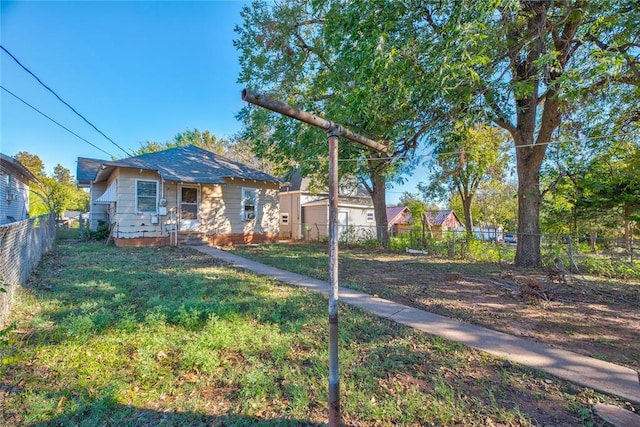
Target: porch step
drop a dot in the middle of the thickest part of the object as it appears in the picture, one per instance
(192, 239)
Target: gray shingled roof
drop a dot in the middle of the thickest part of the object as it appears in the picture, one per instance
(87, 169)
(189, 164)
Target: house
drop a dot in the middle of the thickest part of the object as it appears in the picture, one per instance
(304, 213)
(442, 221)
(154, 198)
(14, 190)
(399, 220)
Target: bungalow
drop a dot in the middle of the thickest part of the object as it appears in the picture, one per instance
(154, 198)
(304, 213)
(14, 190)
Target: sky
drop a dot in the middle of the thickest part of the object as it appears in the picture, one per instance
(137, 70)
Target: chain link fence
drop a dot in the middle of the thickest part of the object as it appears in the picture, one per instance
(610, 257)
(22, 245)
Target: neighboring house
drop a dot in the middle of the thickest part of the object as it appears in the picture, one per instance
(398, 220)
(443, 220)
(439, 221)
(149, 199)
(304, 214)
(14, 190)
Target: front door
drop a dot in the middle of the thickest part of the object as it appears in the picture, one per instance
(189, 208)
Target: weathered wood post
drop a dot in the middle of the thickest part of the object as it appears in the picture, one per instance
(334, 131)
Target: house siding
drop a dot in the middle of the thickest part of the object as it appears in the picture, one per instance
(97, 212)
(219, 208)
(451, 222)
(130, 222)
(214, 213)
(291, 202)
(17, 189)
(317, 217)
(316, 221)
(268, 215)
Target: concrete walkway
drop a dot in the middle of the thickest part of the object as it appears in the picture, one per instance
(587, 371)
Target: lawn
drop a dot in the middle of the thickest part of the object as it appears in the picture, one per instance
(164, 336)
(594, 316)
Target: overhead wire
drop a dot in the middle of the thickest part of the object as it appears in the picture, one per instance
(481, 150)
(54, 121)
(63, 101)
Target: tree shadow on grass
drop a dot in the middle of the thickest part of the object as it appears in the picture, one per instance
(124, 415)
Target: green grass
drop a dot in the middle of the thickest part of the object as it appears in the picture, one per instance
(113, 336)
(68, 233)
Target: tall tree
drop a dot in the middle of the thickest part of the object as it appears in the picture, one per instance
(394, 68)
(31, 162)
(56, 193)
(204, 140)
(465, 159)
(611, 188)
(323, 57)
(497, 203)
(510, 62)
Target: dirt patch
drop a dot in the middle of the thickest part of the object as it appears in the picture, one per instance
(591, 316)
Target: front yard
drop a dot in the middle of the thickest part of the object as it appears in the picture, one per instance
(114, 336)
(598, 317)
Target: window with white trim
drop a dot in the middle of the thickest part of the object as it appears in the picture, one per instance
(284, 218)
(370, 217)
(146, 196)
(249, 207)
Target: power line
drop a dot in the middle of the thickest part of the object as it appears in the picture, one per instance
(62, 126)
(63, 101)
(481, 150)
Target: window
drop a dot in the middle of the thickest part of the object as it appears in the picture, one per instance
(10, 194)
(284, 218)
(146, 196)
(369, 216)
(249, 203)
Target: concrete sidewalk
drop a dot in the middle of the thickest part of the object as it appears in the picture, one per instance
(593, 373)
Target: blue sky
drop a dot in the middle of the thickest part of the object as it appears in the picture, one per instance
(137, 70)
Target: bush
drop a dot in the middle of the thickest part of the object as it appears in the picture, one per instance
(100, 234)
(479, 250)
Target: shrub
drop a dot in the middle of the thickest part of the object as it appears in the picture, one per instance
(101, 233)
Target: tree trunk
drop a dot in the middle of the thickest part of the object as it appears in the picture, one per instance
(468, 220)
(378, 193)
(528, 160)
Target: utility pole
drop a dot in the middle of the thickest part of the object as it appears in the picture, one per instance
(334, 131)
